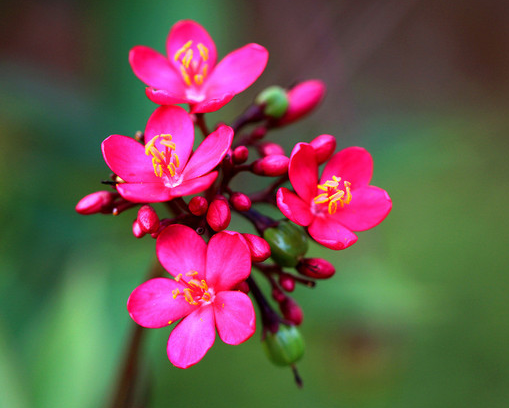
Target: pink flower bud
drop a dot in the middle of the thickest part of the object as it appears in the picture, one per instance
(287, 282)
(95, 202)
(148, 219)
(316, 268)
(324, 146)
(137, 231)
(260, 249)
(240, 155)
(278, 295)
(240, 201)
(291, 311)
(218, 214)
(272, 166)
(269, 148)
(259, 132)
(198, 206)
(242, 286)
(303, 99)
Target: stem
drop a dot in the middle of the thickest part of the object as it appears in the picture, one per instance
(202, 125)
(270, 319)
(267, 195)
(253, 113)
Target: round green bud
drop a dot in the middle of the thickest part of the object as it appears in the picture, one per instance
(284, 347)
(274, 100)
(288, 243)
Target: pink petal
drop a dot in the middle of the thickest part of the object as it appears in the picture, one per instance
(369, 206)
(192, 337)
(303, 171)
(152, 305)
(212, 105)
(165, 97)
(228, 261)
(209, 153)
(194, 186)
(235, 317)
(155, 70)
(186, 30)
(175, 121)
(293, 207)
(126, 158)
(180, 250)
(331, 234)
(145, 192)
(238, 70)
(353, 164)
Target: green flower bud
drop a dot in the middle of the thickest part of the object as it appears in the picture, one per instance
(274, 100)
(288, 243)
(284, 347)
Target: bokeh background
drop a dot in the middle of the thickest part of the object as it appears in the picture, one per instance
(417, 314)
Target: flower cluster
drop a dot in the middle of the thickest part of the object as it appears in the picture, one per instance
(210, 266)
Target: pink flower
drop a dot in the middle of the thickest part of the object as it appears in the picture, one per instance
(190, 74)
(165, 168)
(201, 293)
(342, 202)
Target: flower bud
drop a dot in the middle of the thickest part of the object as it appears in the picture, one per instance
(316, 268)
(218, 214)
(240, 154)
(288, 243)
(269, 148)
(259, 132)
(240, 201)
(278, 295)
(148, 219)
(198, 205)
(324, 146)
(260, 249)
(287, 282)
(302, 99)
(285, 346)
(137, 231)
(271, 166)
(291, 311)
(242, 286)
(274, 101)
(95, 202)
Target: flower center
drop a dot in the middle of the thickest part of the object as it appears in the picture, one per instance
(164, 162)
(195, 292)
(192, 68)
(334, 193)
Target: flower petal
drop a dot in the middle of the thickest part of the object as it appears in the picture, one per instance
(369, 206)
(152, 304)
(194, 186)
(293, 207)
(192, 337)
(175, 121)
(228, 261)
(126, 158)
(213, 104)
(165, 97)
(353, 164)
(235, 317)
(303, 171)
(155, 70)
(145, 192)
(331, 234)
(209, 153)
(188, 30)
(180, 250)
(238, 70)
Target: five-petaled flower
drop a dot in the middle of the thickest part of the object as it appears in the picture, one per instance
(340, 203)
(190, 74)
(202, 293)
(165, 167)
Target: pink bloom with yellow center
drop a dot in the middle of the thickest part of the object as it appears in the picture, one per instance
(190, 74)
(341, 202)
(201, 294)
(166, 167)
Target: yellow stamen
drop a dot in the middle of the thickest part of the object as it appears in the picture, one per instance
(184, 48)
(198, 79)
(187, 58)
(163, 162)
(185, 75)
(334, 194)
(175, 293)
(170, 321)
(191, 273)
(204, 51)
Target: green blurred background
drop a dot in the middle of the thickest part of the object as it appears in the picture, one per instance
(417, 314)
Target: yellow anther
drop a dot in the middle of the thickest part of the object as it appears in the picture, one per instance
(334, 194)
(175, 293)
(204, 51)
(184, 48)
(322, 198)
(204, 70)
(166, 161)
(170, 321)
(178, 277)
(185, 75)
(171, 169)
(191, 273)
(198, 79)
(189, 297)
(188, 57)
